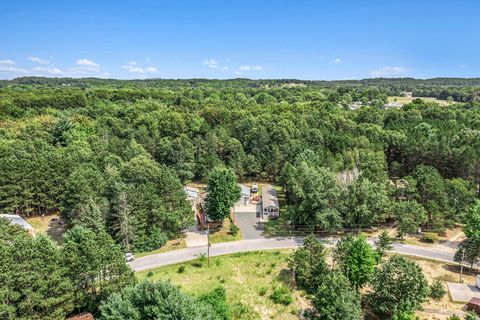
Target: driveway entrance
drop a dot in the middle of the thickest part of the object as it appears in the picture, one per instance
(247, 218)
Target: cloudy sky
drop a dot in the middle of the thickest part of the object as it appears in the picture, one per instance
(229, 39)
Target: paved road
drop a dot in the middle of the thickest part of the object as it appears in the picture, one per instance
(182, 255)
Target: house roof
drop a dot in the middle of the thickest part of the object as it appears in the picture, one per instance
(16, 219)
(192, 193)
(269, 197)
(474, 301)
(244, 190)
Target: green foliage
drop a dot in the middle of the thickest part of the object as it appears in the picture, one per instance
(234, 229)
(159, 300)
(472, 220)
(430, 237)
(410, 215)
(470, 315)
(384, 243)
(281, 295)
(96, 266)
(335, 299)
(223, 192)
(398, 286)
(356, 259)
(312, 192)
(217, 299)
(181, 269)
(263, 291)
(33, 278)
(308, 264)
(469, 251)
(437, 290)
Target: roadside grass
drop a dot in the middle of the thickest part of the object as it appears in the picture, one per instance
(405, 100)
(249, 279)
(170, 245)
(223, 234)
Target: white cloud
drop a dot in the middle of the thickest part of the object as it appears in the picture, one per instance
(11, 69)
(49, 71)
(7, 62)
(132, 67)
(151, 69)
(38, 60)
(86, 63)
(337, 60)
(237, 72)
(85, 67)
(388, 72)
(248, 68)
(213, 64)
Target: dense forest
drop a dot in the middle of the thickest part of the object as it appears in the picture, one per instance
(114, 155)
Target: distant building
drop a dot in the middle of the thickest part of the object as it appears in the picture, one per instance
(393, 105)
(82, 316)
(270, 206)
(244, 195)
(16, 219)
(196, 199)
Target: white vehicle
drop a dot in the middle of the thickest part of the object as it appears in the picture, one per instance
(129, 257)
(255, 188)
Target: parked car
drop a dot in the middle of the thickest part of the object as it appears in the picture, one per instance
(129, 257)
(255, 188)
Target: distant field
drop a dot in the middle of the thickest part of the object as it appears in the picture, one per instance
(244, 276)
(405, 100)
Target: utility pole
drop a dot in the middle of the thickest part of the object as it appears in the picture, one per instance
(208, 245)
(461, 266)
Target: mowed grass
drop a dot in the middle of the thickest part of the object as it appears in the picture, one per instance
(248, 277)
(405, 100)
(223, 234)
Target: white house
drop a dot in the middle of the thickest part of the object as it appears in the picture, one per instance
(270, 207)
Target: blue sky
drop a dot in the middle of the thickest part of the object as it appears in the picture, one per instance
(228, 39)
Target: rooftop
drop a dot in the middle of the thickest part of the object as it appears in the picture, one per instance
(269, 197)
(16, 219)
(244, 190)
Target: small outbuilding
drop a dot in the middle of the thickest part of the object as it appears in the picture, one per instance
(270, 206)
(474, 305)
(16, 219)
(244, 195)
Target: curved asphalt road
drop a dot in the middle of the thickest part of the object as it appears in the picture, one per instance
(217, 249)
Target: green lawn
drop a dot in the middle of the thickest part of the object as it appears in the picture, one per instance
(224, 235)
(244, 276)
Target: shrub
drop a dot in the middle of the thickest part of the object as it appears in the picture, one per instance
(153, 241)
(263, 291)
(181, 269)
(471, 316)
(217, 298)
(454, 317)
(234, 229)
(430, 237)
(201, 259)
(437, 290)
(282, 295)
(150, 274)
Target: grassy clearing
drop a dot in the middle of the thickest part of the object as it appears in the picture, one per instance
(45, 225)
(405, 100)
(170, 245)
(224, 235)
(249, 279)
